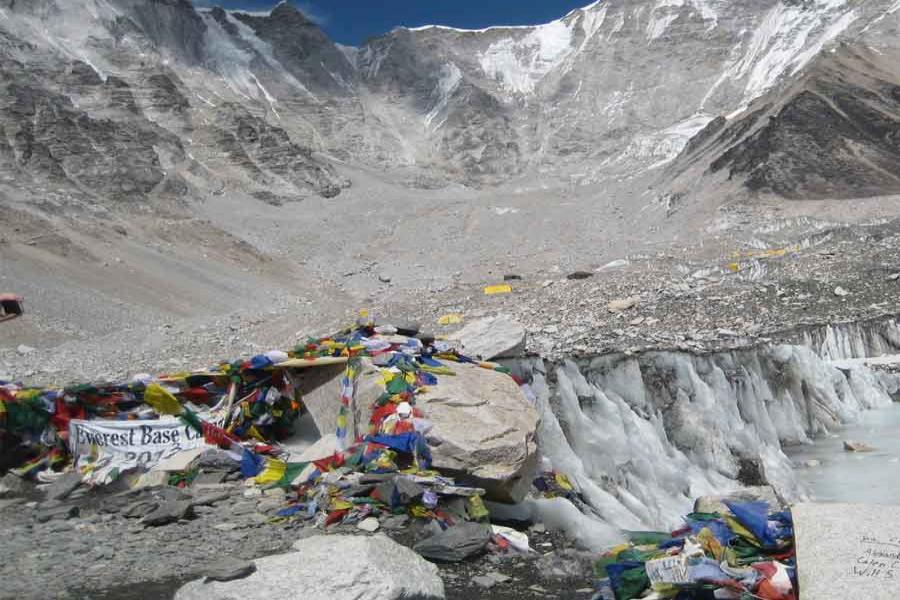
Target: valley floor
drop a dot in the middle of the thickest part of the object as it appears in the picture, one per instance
(240, 277)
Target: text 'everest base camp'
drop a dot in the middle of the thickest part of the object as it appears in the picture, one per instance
(589, 303)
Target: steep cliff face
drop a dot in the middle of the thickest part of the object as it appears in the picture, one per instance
(135, 101)
(302, 49)
(616, 88)
(833, 134)
(63, 124)
(829, 132)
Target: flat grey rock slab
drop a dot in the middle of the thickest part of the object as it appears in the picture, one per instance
(63, 487)
(847, 551)
(336, 567)
(168, 512)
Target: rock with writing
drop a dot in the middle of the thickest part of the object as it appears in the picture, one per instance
(847, 551)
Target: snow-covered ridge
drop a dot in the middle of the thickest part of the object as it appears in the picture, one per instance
(519, 64)
(569, 15)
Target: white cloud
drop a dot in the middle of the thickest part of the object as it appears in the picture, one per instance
(313, 12)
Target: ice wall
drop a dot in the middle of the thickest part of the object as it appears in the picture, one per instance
(864, 339)
(643, 436)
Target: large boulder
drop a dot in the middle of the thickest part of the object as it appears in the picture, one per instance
(492, 337)
(484, 427)
(487, 431)
(337, 567)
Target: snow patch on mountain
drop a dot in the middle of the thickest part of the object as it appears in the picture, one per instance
(591, 22)
(659, 24)
(707, 12)
(664, 146)
(450, 79)
(619, 24)
(519, 64)
(786, 40)
(830, 33)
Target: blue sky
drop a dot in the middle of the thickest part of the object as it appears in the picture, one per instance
(353, 21)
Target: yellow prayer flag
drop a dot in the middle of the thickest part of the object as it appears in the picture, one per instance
(161, 400)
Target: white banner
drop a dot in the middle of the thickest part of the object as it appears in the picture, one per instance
(132, 444)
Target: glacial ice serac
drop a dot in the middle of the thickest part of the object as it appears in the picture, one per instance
(643, 436)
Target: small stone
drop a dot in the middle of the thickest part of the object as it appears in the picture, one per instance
(168, 512)
(850, 446)
(210, 499)
(229, 570)
(139, 509)
(384, 278)
(23, 349)
(578, 275)
(812, 463)
(491, 579)
(369, 524)
(841, 292)
(617, 306)
(44, 515)
(512, 277)
(253, 492)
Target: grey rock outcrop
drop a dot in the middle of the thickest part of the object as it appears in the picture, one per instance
(302, 48)
(376, 568)
(492, 337)
(487, 431)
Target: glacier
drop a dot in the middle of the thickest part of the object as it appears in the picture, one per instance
(642, 436)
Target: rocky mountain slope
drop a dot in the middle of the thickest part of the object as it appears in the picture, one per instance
(830, 132)
(265, 103)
